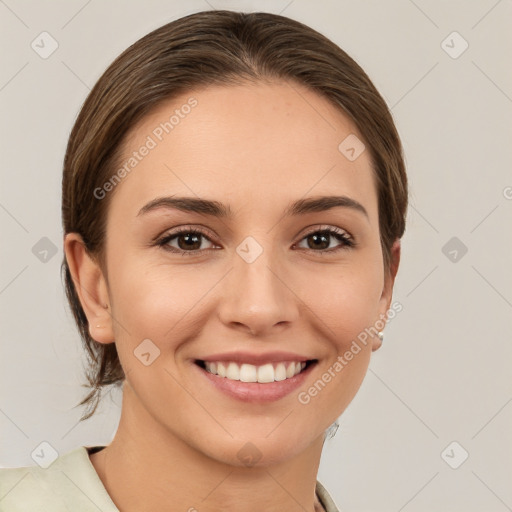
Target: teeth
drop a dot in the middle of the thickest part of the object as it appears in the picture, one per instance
(266, 373)
(250, 373)
(221, 369)
(280, 372)
(233, 371)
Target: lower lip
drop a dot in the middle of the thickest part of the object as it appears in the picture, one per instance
(257, 392)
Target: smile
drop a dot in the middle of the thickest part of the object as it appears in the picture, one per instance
(270, 372)
(258, 383)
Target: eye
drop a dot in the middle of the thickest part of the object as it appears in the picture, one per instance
(319, 240)
(189, 241)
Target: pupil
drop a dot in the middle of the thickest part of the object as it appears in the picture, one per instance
(191, 241)
(319, 237)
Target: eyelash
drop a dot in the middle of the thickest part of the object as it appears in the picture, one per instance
(340, 235)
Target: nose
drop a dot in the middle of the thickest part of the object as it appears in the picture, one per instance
(258, 297)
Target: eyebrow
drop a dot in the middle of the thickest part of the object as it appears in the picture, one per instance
(217, 209)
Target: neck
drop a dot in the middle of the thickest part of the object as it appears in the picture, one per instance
(148, 468)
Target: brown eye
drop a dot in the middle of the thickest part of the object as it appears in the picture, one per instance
(320, 240)
(188, 242)
(191, 241)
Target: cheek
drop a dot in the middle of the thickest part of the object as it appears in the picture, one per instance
(152, 299)
(346, 300)
(162, 304)
(346, 307)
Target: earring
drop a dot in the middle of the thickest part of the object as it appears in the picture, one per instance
(380, 334)
(331, 431)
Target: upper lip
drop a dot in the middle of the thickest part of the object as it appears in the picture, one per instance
(255, 359)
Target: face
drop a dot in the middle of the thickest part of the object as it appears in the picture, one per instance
(247, 286)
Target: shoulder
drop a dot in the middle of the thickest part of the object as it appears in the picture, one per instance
(68, 483)
(24, 489)
(325, 499)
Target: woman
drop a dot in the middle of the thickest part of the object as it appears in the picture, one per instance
(234, 194)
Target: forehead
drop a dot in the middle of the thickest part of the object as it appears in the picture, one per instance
(250, 146)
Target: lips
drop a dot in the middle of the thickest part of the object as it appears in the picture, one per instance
(256, 377)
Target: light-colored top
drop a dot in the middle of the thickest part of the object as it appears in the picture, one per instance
(71, 484)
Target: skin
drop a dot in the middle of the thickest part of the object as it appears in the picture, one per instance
(256, 148)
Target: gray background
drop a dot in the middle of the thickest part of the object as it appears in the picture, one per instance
(443, 373)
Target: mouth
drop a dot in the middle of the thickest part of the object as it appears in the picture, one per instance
(256, 382)
(244, 372)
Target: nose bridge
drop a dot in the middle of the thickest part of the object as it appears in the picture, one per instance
(257, 296)
(255, 268)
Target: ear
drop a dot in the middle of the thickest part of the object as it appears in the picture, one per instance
(91, 288)
(387, 290)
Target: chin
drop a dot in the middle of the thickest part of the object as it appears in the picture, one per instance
(257, 451)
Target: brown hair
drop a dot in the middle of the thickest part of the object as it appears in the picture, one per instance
(207, 48)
